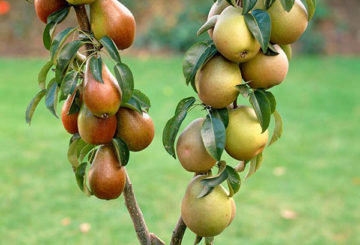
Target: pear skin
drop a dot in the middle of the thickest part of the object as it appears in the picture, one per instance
(112, 18)
(216, 82)
(287, 27)
(191, 151)
(102, 99)
(232, 37)
(135, 129)
(78, 2)
(207, 216)
(266, 71)
(244, 139)
(95, 130)
(69, 121)
(44, 8)
(288, 50)
(216, 9)
(107, 177)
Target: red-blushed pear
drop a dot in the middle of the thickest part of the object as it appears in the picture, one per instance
(233, 213)
(107, 177)
(244, 137)
(191, 151)
(44, 8)
(216, 82)
(232, 37)
(287, 27)
(112, 18)
(206, 216)
(78, 2)
(69, 120)
(95, 130)
(137, 130)
(266, 71)
(102, 99)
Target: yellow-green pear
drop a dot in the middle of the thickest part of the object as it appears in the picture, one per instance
(207, 216)
(191, 150)
(287, 27)
(216, 82)
(216, 9)
(244, 139)
(266, 71)
(288, 50)
(78, 2)
(232, 37)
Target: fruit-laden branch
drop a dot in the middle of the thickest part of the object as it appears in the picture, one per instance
(142, 232)
(178, 232)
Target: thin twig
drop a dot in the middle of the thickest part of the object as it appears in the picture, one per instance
(84, 23)
(178, 232)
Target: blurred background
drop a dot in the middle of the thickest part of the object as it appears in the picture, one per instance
(307, 191)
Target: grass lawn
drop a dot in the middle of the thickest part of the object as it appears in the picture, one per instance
(312, 171)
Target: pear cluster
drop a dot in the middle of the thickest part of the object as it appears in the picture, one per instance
(239, 58)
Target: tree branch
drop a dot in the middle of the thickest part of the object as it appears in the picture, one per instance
(84, 23)
(178, 232)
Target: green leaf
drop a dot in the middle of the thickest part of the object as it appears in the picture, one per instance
(272, 100)
(73, 151)
(172, 127)
(287, 4)
(268, 3)
(222, 114)
(80, 175)
(84, 151)
(43, 74)
(209, 240)
(255, 164)
(278, 129)
(311, 7)
(213, 136)
(248, 5)
(111, 48)
(59, 40)
(122, 151)
(259, 24)
(96, 68)
(58, 16)
(211, 182)
(75, 104)
(48, 32)
(234, 181)
(125, 79)
(133, 104)
(143, 100)
(210, 23)
(197, 239)
(52, 97)
(33, 104)
(262, 108)
(69, 84)
(244, 89)
(271, 51)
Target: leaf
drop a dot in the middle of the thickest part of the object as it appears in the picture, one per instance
(268, 3)
(43, 74)
(311, 7)
(271, 51)
(48, 31)
(52, 97)
(69, 83)
(255, 163)
(75, 104)
(234, 181)
(33, 104)
(259, 24)
(125, 79)
(209, 240)
(287, 4)
(272, 100)
(262, 108)
(143, 100)
(211, 182)
(58, 16)
(248, 5)
(172, 127)
(278, 130)
(213, 136)
(59, 40)
(197, 239)
(111, 48)
(244, 89)
(122, 151)
(84, 151)
(96, 68)
(210, 23)
(80, 178)
(133, 104)
(222, 114)
(72, 153)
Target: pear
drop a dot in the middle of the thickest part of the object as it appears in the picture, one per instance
(216, 9)
(44, 8)
(232, 37)
(216, 82)
(112, 18)
(287, 27)
(78, 2)
(207, 216)
(106, 176)
(137, 130)
(69, 120)
(191, 151)
(102, 99)
(95, 130)
(244, 139)
(266, 71)
(288, 50)
(233, 213)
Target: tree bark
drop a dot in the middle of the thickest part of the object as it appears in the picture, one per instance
(178, 232)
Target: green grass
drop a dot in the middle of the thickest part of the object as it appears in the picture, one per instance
(320, 152)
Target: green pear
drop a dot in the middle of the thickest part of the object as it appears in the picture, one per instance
(112, 18)
(232, 37)
(288, 50)
(287, 27)
(106, 176)
(207, 216)
(266, 71)
(216, 82)
(244, 139)
(191, 150)
(78, 2)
